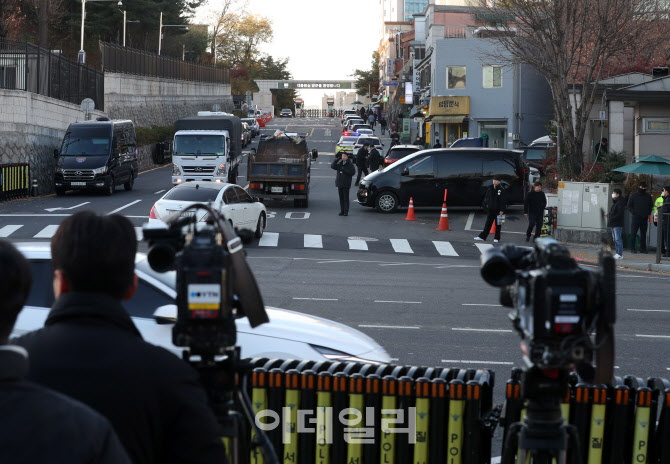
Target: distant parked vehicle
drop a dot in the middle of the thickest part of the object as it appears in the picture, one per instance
(253, 125)
(286, 113)
(397, 152)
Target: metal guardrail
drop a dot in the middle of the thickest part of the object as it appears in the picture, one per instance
(118, 59)
(28, 67)
(14, 181)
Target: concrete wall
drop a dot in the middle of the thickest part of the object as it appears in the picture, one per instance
(150, 101)
(31, 126)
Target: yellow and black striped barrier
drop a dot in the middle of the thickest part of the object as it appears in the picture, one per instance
(14, 181)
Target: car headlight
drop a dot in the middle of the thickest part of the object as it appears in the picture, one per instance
(99, 171)
(335, 355)
(175, 170)
(221, 171)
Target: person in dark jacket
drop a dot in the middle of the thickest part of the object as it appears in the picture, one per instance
(496, 203)
(615, 221)
(90, 349)
(362, 162)
(533, 209)
(417, 141)
(663, 210)
(437, 144)
(395, 138)
(374, 159)
(345, 172)
(640, 204)
(38, 424)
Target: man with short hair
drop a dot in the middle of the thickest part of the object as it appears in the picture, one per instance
(38, 424)
(600, 148)
(362, 162)
(345, 171)
(640, 205)
(495, 201)
(615, 221)
(533, 209)
(437, 144)
(91, 350)
(374, 159)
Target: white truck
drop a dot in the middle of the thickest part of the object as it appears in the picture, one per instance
(207, 148)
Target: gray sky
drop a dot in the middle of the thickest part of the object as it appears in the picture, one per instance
(323, 39)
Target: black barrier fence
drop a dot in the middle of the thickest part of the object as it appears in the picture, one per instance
(14, 181)
(347, 412)
(28, 67)
(118, 59)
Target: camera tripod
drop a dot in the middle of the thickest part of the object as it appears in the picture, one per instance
(219, 380)
(543, 438)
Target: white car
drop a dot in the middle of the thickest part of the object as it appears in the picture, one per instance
(364, 131)
(288, 335)
(372, 141)
(245, 213)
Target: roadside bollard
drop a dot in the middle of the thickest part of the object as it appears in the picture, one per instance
(34, 189)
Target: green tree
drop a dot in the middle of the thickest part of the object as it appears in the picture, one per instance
(368, 80)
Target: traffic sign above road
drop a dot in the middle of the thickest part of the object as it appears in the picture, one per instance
(391, 83)
(296, 84)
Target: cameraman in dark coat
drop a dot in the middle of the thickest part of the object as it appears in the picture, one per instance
(362, 162)
(496, 203)
(533, 209)
(345, 171)
(374, 159)
(640, 204)
(90, 349)
(38, 424)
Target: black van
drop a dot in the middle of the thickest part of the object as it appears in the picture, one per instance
(465, 172)
(97, 155)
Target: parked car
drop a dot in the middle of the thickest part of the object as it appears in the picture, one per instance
(397, 152)
(253, 125)
(348, 127)
(288, 335)
(465, 172)
(363, 131)
(246, 134)
(372, 141)
(349, 116)
(286, 113)
(246, 214)
(346, 144)
(356, 127)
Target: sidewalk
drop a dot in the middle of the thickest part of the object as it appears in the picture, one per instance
(589, 255)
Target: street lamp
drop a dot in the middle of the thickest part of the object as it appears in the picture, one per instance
(160, 30)
(82, 53)
(124, 26)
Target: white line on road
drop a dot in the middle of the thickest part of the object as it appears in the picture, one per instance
(652, 336)
(468, 329)
(399, 302)
(313, 241)
(316, 299)
(401, 245)
(9, 230)
(444, 248)
(388, 326)
(47, 232)
(650, 310)
(468, 224)
(483, 246)
(161, 191)
(455, 361)
(139, 234)
(395, 359)
(124, 207)
(269, 239)
(71, 207)
(358, 245)
(481, 304)
(34, 215)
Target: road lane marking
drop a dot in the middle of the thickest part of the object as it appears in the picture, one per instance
(481, 304)
(47, 232)
(34, 215)
(455, 361)
(358, 245)
(63, 209)
(444, 248)
(139, 234)
(9, 230)
(650, 310)
(315, 299)
(313, 241)
(468, 224)
(161, 191)
(469, 329)
(398, 302)
(124, 207)
(652, 336)
(401, 245)
(483, 246)
(388, 326)
(269, 239)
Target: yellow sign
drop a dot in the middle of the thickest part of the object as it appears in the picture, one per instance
(449, 106)
(428, 133)
(561, 185)
(402, 100)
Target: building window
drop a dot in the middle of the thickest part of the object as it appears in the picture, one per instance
(492, 77)
(495, 132)
(455, 77)
(656, 125)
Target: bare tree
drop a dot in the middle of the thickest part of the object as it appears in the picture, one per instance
(574, 44)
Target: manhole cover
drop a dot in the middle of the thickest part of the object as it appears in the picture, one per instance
(365, 239)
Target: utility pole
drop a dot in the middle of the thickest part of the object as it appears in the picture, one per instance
(160, 34)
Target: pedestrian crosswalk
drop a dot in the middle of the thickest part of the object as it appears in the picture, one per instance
(290, 240)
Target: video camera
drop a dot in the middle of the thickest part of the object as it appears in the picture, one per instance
(564, 313)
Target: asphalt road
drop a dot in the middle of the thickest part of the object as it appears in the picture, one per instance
(414, 289)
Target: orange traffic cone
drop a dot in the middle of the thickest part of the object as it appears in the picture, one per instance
(444, 218)
(493, 227)
(410, 211)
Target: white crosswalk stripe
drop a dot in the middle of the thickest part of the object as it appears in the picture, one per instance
(483, 246)
(401, 245)
(358, 245)
(269, 239)
(47, 232)
(444, 248)
(313, 241)
(9, 230)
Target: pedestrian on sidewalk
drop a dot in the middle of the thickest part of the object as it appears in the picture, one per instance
(640, 205)
(417, 141)
(382, 123)
(395, 138)
(345, 172)
(664, 208)
(371, 119)
(533, 209)
(615, 220)
(437, 144)
(495, 201)
(362, 162)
